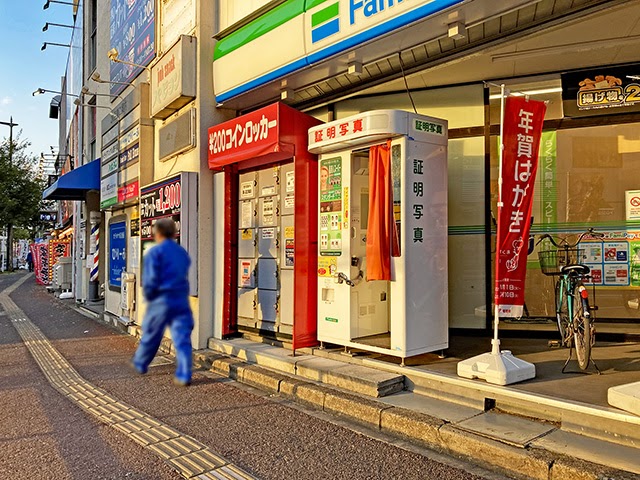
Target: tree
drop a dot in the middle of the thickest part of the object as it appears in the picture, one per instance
(20, 190)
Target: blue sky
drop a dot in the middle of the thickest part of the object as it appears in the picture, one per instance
(24, 68)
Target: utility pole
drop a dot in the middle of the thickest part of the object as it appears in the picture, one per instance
(9, 255)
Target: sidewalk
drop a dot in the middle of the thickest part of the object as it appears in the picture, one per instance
(264, 436)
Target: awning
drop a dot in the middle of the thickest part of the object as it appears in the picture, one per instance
(75, 184)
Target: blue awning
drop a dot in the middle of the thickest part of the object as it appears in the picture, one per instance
(75, 184)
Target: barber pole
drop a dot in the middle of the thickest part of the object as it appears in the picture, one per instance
(95, 232)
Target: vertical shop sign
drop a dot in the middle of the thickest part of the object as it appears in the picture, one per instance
(160, 200)
(522, 134)
(117, 253)
(331, 206)
(548, 165)
(133, 35)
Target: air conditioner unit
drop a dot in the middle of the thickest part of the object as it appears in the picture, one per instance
(63, 273)
(127, 294)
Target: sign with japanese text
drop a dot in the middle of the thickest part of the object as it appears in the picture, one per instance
(160, 200)
(601, 92)
(117, 252)
(522, 133)
(632, 205)
(254, 132)
(128, 191)
(109, 190)
(133, 35)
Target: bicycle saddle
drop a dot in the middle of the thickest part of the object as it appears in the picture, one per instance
(577, 269)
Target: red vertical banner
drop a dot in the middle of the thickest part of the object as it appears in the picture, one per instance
(522, 132)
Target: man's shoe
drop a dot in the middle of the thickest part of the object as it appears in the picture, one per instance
(136, 369)
(182, 383)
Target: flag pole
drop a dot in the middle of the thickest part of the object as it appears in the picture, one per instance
(495, 344)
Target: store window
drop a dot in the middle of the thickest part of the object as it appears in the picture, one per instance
(586, 177)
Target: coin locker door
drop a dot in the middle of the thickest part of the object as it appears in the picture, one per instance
(268, 247)
(247, 251)
(287, 244)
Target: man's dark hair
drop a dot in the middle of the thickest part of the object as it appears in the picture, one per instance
(165, 227)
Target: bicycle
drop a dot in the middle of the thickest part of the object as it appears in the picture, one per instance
(574, 315)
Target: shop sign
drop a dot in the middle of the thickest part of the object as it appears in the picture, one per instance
(161, 200)
(632, 202)
(428, 127)
(109, 167)
(128, 192)
(48, 217)
(522, 132)
(130, 155)
(328, 29)
(133, 34)
(109, 191)
(173, 82)
(130, 137)
(256, 131)
(117, 252)
(601, 91)
(548, 165)
(111, 151)
(176, 16)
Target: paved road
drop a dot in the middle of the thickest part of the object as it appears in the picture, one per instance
(45, 436)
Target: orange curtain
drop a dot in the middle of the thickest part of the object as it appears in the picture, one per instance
(382, 237)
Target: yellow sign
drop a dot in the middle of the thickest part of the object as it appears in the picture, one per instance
(289, 232)
(247, 234)
(327, 266)
(345, 216)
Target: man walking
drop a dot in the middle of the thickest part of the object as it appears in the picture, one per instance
(165, 285)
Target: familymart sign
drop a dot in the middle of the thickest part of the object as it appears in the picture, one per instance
(330, 28)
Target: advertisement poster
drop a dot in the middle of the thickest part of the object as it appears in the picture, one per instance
(632, 205)
(133, 35)
(634, 263)
(161, 200)
(57, 249)
(117, 253)
(331, 206)
(601, 91)
(549, 186)
(615, 261)
(522, 132)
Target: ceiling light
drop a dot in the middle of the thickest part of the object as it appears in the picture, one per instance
(542, 91)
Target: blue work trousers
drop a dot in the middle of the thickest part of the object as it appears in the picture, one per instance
(161, 314)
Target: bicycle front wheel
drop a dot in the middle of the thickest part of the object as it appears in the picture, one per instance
(581, 327)
(562, 311)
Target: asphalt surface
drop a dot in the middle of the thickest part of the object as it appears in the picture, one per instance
(45, 436)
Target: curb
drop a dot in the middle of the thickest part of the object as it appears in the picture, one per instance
(436, 434)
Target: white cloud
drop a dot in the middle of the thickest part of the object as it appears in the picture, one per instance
(6, 101)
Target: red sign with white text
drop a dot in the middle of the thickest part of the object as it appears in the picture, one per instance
(522, 132)
(129, 191)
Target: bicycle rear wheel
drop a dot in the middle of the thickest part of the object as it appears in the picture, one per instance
(562, 312)
(581, 328)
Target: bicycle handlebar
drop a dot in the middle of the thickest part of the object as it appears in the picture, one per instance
(563, 241)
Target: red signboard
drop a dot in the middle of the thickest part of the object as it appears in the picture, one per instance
(253, 135)
(128, 192)
(522, 132)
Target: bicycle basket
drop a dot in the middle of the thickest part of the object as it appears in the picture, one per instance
(552, 261)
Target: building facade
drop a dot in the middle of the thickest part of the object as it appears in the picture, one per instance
(155, 117)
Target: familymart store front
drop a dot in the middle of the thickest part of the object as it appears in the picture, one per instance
(447, 60)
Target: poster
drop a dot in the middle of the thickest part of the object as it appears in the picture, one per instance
(160, 200)
(327, 266)
(290, 182)
(133, 35)
(632, 205)
(522, 132)
(331, 201)
(634, 263)
(117, 253)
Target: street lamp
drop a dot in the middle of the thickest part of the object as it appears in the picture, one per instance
(49, 24)
(98, 79)
(49, 2)
(53, 44)
(113, 55)
(42, 91)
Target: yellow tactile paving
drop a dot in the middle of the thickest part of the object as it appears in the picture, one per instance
(188, 456)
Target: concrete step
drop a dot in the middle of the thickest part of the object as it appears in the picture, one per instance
(355, 378)
(625, 397)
